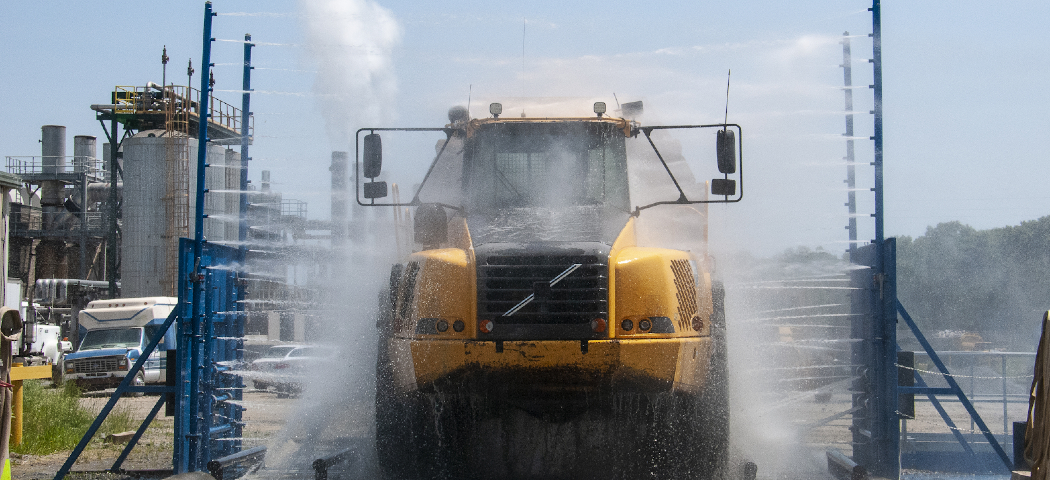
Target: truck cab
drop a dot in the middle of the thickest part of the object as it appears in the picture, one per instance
(113, 335)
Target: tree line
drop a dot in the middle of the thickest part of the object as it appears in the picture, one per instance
(994, 282)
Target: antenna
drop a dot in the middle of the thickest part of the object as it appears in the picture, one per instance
(726, 120)
(617, 101)
(523, 64)
(470, 90)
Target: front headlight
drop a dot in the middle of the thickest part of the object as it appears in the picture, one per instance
(69, 367)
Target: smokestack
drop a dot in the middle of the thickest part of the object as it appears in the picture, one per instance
(83, 153)
(53, 161)
(51, 253)
(340, 161)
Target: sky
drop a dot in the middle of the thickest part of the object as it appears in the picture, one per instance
(964, 98)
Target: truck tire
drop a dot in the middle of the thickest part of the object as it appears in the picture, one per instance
(395, 415)
(398, 424)
(714, 414)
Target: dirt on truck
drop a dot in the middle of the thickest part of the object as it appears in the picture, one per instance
(557, 316)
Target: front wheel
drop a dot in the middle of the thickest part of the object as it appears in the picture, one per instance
(714, 431)
(139, 381)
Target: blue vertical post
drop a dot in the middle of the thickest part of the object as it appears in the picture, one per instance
(885, 420)
(245, 117)
(197, 453)
(851, 174)
(240, 317)
(876, 40)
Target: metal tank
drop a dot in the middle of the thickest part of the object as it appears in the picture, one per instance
(144, 248)
(84, 153)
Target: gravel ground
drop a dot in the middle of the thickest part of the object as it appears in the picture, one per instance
(151, 458)
(267, 415)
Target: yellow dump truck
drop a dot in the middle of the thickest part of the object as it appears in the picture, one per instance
(538, 330)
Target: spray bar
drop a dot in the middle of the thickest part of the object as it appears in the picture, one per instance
(532, 296)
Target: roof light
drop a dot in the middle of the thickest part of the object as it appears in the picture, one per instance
(495, 109)
(599, 108)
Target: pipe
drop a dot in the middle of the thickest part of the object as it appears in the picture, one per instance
(250, 457)
(321, 465)
(844, 468)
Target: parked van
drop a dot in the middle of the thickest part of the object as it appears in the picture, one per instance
(113, 335)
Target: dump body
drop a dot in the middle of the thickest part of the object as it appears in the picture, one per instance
(114, 334)
(532, 334)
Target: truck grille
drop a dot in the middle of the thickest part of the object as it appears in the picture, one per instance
(579, 298)
(93, 365)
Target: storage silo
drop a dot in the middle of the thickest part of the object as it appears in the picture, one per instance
(145, 244)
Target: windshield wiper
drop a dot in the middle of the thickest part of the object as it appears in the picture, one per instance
(532, 296)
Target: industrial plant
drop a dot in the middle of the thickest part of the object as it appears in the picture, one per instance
(106, 224)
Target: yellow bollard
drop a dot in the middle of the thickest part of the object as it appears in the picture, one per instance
(19, 373)
(16, 410)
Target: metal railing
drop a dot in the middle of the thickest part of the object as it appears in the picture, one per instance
(130, 100)
(293, 208)
(25, 218)
(964, 367)
(36, 165)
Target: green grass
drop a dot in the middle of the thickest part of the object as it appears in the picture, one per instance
(53, 419)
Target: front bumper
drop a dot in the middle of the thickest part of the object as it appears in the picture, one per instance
(635, 365)
(96, 379)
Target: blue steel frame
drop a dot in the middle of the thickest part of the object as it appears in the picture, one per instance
(875, 309)
(210, 327)
(873, 300)
(875, 426)
(207, 414)
(210, 344)
(953, 389)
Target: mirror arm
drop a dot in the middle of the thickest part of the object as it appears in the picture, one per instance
(448, 136)
(681, 194)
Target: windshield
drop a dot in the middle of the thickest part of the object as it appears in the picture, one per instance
(557, 164)
(112, 338)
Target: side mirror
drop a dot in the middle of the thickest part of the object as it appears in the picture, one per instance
(372, 156)
(723, 186)
(725, 143)
(375, 190)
